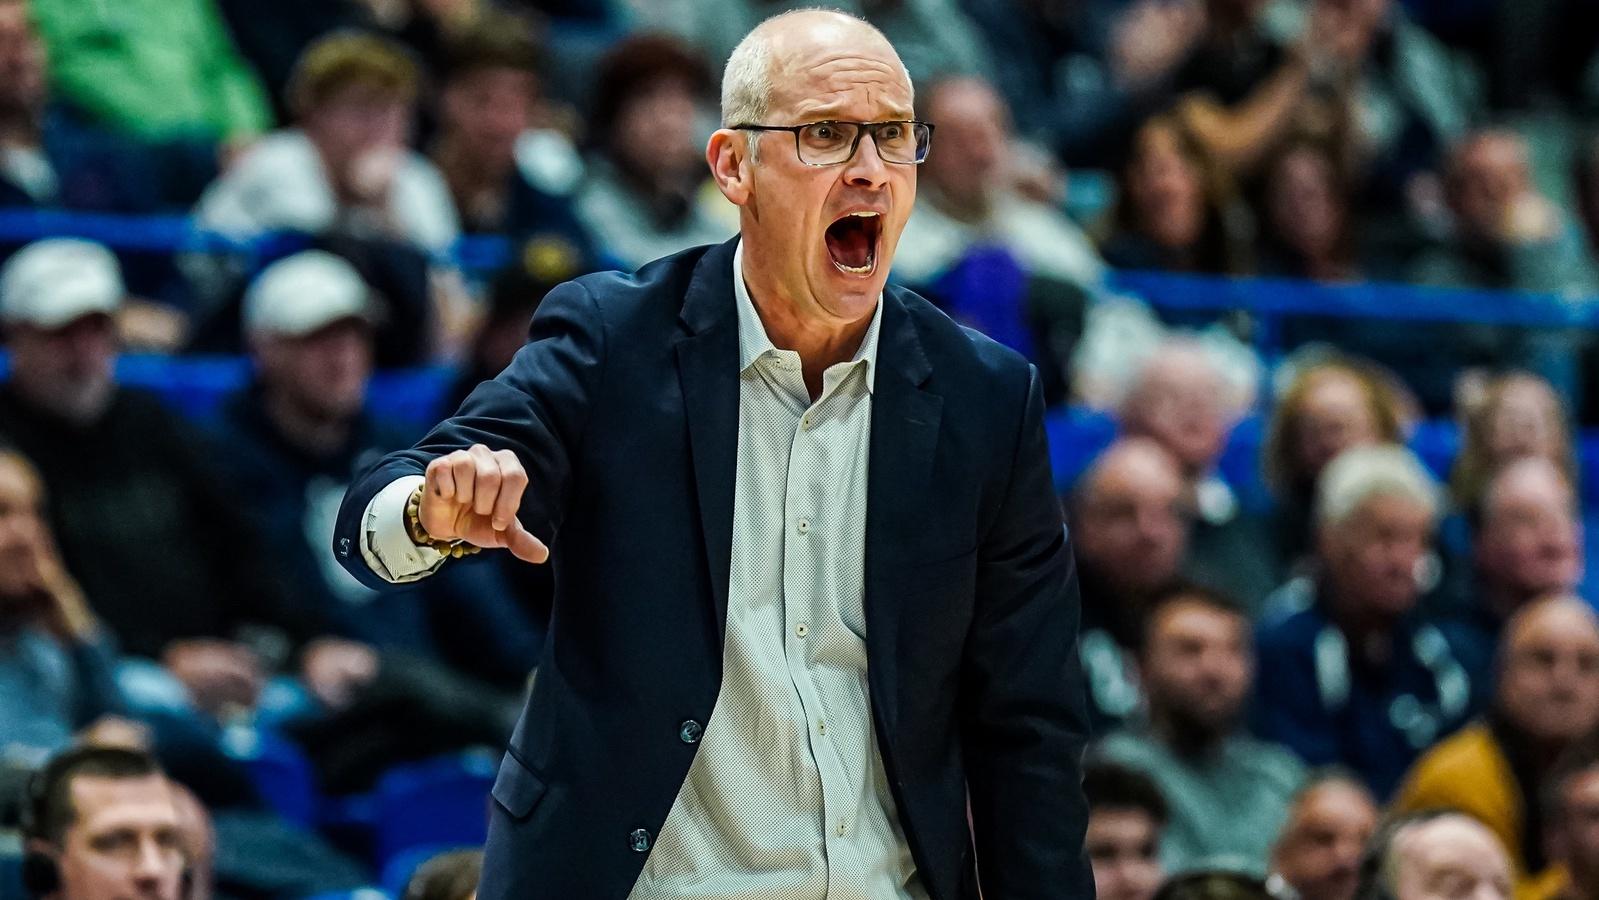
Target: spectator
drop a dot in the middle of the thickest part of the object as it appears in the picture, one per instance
(448, 876)
(153, 68)
(125, 475)
(102, 823)
(1174, 212)
(48, 157)
(488, 102)
(1586, 185)
(55, 660)
(1505, 235)
(1519, 415)
(1130, 530)
(646, 194)
(1317, 856)
(1126, 815)
(1329, 407)
(1307, 228)
(1181, 400)
(1571, 811)
(1546, 700)
(1412, 856)
(1345, 647)
(1228, 793)
(346, 166)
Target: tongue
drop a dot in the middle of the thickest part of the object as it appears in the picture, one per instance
(848, 243)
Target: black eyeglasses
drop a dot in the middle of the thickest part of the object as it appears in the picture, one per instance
(832, 143)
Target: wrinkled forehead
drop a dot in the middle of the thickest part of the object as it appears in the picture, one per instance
(858, 75)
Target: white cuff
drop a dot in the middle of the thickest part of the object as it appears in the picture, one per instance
(386, 545)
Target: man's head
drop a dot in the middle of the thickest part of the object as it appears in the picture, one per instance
(973, 143)
(22, 62)
(22, 532)
(490, 89)
(1488, 175)
(1528, 541)
(309, 319)
(355, 94)
(1549, 671)
(1571, 815)
(1329, 408)
(1178, 400)
(1197, 662)
(58, 298)
(1375, 512)
(1319, 850)
(1126, 814)
(1129, 521)
(651, 96)
(1436, 855)
(101, 825)
(819, 239)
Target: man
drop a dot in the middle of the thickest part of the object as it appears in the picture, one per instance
(101, 823)
(125, 475)
(1317, 855)
(1179, 399)
(1126, 815)
(1436, 854)
(1547, 699)
(1571, 816)
(1131, 530)
(710, 508)
(1227, 792)
(55, 660)
(1351, 673)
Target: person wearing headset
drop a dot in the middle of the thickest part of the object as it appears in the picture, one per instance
(101, 823)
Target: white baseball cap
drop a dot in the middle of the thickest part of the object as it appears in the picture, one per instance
(54, 282)
(300, 294)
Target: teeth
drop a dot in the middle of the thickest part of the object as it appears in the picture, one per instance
(855, 270)
(865, 215)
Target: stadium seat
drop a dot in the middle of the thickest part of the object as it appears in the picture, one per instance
(397, 872)
(281, 774)
(443, 801)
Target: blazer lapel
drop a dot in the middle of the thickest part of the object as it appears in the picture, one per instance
(707, 367)
(905, 420)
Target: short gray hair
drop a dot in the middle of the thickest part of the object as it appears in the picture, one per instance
(1361, 473)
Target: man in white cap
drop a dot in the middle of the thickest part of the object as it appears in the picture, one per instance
(160, 547)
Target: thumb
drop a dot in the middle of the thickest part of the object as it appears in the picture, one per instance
(523, 545)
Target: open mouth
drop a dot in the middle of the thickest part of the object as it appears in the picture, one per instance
(852, 242)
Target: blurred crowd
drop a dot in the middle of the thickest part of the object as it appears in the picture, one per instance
(1268, 678)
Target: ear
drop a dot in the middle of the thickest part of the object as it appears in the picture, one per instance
(727, 155)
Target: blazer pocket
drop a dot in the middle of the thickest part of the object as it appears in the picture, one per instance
(516, 787)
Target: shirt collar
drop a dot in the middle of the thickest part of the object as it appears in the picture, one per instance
(753, 342)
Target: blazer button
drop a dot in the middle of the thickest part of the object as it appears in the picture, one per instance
(689, 732)
(639, 840)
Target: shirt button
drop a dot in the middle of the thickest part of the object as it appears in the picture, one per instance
(803, 526)
(639, 840)
(821, 727)
(689, 732)
(805, 422)
(801, 630)
(842, 827)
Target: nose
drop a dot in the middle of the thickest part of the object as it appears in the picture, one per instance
(866, 168)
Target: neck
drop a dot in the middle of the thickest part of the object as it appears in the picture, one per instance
(304, 429)
(467, 172)
(819, 343)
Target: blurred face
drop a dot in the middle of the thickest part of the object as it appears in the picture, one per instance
(123, 843)
(22, 529)
(68, 371)
(1530, 543)
(325, 373)
(1577, 834)
(1451, 858)
(1178, 403)
(973, 135)
(822, 238)
(1549, 676)
(656, 132)
(1372, 557)
(359, 122)
(487, 109)
(22, 81)
(1123, 847)
(1321, 847)
(1490, 175)
(1304, 205)
(1333, 417)
(1131, 526)
(1198, 665)
(1527, 421)
(1164, 187)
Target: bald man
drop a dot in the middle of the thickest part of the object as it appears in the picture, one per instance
(1547, 699)
(1317, 855)
(1435, 855)
(815, 615)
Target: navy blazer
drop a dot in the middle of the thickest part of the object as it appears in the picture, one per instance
(623, 407)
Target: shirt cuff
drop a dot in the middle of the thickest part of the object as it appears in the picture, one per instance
(386, 545)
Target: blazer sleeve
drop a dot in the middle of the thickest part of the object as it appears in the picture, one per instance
(1024, 722)
(537, 408)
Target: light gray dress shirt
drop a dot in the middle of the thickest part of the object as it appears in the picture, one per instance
(786, 798)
